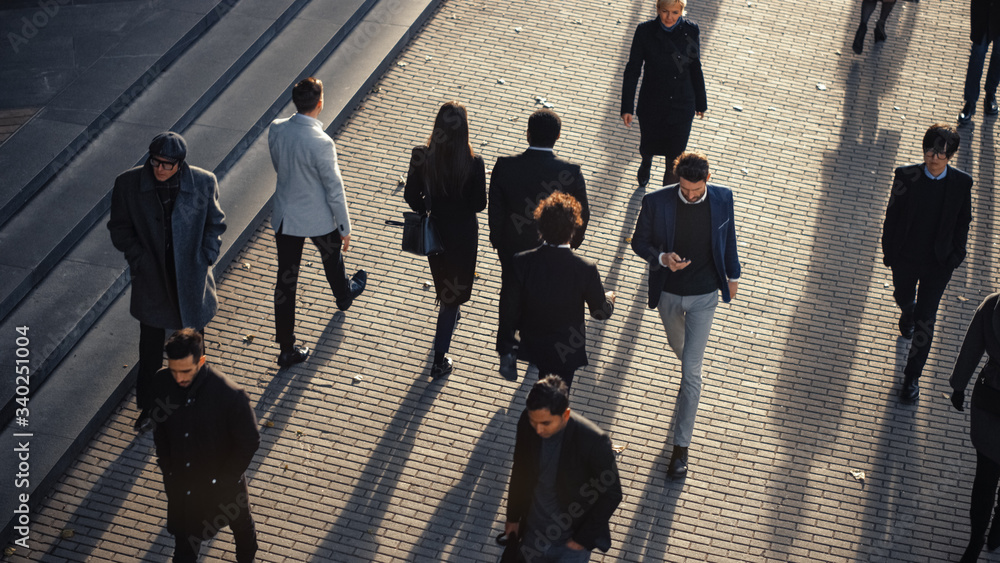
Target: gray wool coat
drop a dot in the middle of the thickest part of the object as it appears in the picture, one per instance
(136, 227)
(983, 336)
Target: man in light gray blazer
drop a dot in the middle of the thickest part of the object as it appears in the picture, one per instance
(309, 201)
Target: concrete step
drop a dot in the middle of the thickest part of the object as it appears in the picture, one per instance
(75, 203)
(74, 198)
(96, 374)
(155, 38)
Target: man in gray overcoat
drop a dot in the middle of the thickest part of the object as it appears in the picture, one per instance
(309, 201)
(166, 219)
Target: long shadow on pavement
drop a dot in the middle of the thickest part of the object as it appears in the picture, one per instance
(825, 330)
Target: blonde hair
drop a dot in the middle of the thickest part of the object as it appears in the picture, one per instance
(668, 3)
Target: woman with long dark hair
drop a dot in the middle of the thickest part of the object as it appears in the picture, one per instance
(449, 180)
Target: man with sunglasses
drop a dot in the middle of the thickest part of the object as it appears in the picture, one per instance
(166, 219)
(923, 241)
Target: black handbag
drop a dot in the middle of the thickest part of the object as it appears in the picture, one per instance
(511, 548)
(420, 235)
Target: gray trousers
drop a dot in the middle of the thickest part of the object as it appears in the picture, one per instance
(688, 321)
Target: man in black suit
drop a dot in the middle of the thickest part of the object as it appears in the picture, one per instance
(564, 483)
(547, 289)
(923, 241)
(517, 184)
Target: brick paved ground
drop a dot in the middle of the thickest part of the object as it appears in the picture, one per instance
(803, 366)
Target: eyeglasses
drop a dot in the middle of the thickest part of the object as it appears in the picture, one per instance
(936, 153)
(160, 163)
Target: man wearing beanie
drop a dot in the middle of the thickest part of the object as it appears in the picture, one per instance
(309, 201)
(166, 219)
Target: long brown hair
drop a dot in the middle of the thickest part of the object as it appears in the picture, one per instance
(449, 153)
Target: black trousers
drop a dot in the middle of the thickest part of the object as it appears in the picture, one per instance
(506, 339)
(150, 361)
(932, 281)
(289, 260)
(984, 496)
(186, 548)
(447, 319)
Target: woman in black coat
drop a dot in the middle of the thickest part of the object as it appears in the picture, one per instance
(666, 51)
(983, 336)
(867, 9)
(448, 179)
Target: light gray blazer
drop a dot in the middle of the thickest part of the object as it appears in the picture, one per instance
(309, 199)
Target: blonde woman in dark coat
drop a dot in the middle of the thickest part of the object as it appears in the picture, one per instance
(983, 336)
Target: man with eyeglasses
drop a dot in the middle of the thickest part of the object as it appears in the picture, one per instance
(923, 241)
(166, 219)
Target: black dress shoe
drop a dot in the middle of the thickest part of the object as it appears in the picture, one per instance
(906, 327)
(356, 286)
(968, 110)
(993, 540)
(678, 467)
(906, 324)
(859, 39)
(880, 31)
(442, 368)
(991, 105)
(508, 366)
(296, 355)
(143, 423)
(910, 391)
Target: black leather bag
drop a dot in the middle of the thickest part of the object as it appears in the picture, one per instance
(512, 548)
(420, 236)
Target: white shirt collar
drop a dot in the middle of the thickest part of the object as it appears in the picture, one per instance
(700, 199)
(547, 149)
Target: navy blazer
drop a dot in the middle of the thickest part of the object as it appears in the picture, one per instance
(654, 233)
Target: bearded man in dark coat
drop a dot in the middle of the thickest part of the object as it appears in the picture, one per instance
(166, 219)
(206, 436)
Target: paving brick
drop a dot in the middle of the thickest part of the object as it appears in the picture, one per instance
(802, 367)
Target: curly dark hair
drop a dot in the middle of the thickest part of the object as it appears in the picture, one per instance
(558, 216)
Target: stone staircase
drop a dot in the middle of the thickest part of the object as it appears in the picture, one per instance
(216, 72)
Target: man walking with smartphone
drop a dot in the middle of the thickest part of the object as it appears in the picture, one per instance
(686, 233)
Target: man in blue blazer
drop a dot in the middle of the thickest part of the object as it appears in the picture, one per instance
(686, 233)
(309, 201)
